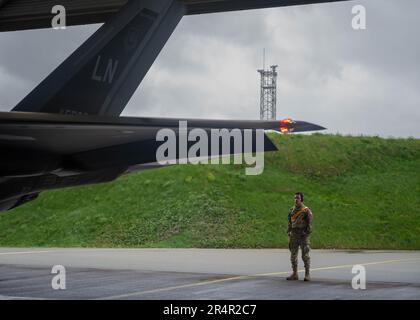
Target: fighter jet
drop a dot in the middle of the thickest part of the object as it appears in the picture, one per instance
(68, 130)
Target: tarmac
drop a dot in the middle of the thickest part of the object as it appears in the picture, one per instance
(195, 274)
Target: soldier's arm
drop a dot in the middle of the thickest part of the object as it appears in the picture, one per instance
(309, 218)
(289, 222)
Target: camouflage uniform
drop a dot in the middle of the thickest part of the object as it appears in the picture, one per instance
(299, 230)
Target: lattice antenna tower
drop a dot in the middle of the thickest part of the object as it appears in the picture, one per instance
(268, 97)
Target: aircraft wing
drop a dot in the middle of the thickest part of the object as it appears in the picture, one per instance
(42, 151)
(98, 142)
(211, 6)
(24, 14)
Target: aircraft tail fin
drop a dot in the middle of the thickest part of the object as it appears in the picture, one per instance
(100, 77)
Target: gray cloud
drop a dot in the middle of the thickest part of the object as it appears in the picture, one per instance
(353, 82)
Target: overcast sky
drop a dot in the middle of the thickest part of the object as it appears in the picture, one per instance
(352, 82)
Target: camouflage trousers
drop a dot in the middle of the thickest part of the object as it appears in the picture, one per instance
(297, 240)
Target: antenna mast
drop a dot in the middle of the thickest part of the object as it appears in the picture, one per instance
(268, 95)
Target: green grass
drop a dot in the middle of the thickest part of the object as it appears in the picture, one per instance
(363, 191)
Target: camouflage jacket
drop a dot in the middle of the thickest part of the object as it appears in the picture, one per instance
(300, 220)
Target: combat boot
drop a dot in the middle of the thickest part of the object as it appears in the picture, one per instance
(307, 275)
(294, 275)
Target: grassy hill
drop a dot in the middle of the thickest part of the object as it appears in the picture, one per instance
(363, 191)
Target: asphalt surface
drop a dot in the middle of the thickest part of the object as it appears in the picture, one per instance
(204, 274)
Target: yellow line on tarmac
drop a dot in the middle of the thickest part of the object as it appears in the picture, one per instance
(202, 283)
(195, 284)
(23, 252)
(343, 266)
